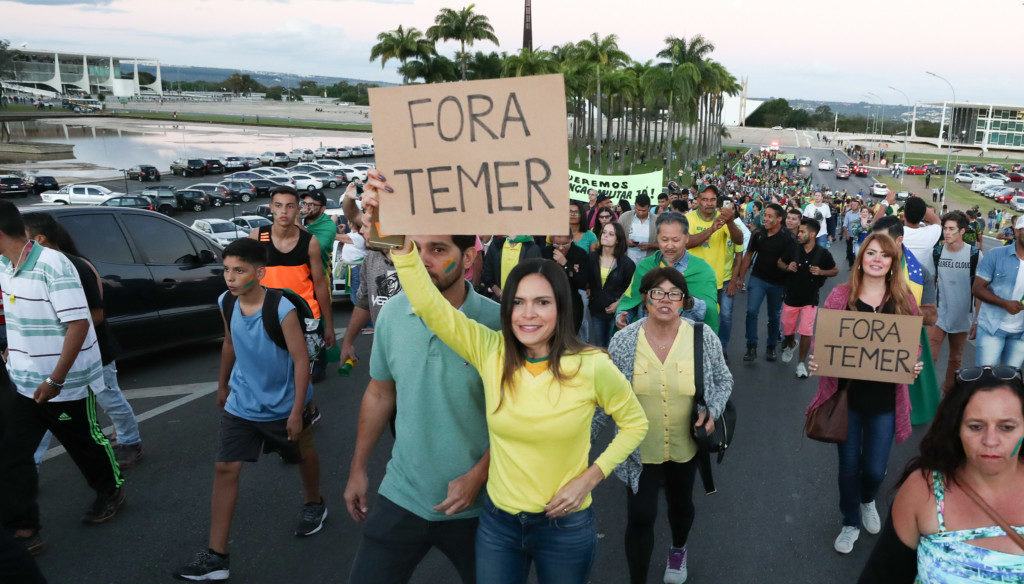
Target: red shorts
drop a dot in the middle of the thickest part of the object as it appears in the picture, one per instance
(805, 315)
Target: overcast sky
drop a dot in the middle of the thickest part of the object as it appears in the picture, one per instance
(812, 49)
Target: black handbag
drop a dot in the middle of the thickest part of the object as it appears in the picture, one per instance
(720, 438)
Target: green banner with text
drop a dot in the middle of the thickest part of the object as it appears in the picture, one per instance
(617, 186)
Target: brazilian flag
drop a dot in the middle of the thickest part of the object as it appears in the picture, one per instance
(925, 393)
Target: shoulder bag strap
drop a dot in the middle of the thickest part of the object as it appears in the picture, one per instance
(698, 364)
(1010, 531)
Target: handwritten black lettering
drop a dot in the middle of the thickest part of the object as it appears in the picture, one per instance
(462, 118)
(498, 184)
(412, 196)
(412, 119)
(439, 190)
(474, 117)
(484, 176)
(532, 184)
(512, 99)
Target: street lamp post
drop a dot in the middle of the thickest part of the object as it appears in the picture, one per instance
(906, 134)
(952, 109)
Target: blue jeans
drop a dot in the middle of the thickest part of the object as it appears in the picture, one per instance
(1001, 348)
(601, 331)
(862, 461)
(724, 316)
(506, 545)
(822, 240)
(353, 282)
(115, 405)
(757, 290)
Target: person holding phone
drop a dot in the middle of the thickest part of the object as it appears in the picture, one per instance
(541, 388)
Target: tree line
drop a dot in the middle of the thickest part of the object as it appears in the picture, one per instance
(778, 112)
(622, 110)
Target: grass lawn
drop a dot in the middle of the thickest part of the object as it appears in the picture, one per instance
(19, 108)
(249, 121)
(957, 196)
(914, 159)
(652, 163)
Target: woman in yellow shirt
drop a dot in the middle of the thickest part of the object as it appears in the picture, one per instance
(657, 355)
(541, 387)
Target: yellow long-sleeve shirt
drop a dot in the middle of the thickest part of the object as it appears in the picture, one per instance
(540, 437)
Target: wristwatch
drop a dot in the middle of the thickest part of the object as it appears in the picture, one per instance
(54, 384)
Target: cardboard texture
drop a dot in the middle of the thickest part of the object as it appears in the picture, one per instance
(486, 156)
(866, 345)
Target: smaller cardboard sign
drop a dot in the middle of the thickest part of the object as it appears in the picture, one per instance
(867, 345)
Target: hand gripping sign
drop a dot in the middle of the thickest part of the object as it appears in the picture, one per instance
(485, 156)
(867, 345)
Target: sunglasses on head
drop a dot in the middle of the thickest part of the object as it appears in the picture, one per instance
(1001, 372)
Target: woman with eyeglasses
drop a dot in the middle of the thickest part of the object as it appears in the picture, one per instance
(581, 235)
(937, 532)
(657, 355)
(541, 389)
(878, 411)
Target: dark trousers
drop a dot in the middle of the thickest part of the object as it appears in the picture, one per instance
(74, 423)
(395, 541)
(16, 565)
(849, 251)
(642, 512)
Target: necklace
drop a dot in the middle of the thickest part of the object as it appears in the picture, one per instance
(652, 339)
(11, 297)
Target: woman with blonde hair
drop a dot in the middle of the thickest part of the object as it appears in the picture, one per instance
(878, 411)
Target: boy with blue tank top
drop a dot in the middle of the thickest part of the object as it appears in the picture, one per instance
(265, 393)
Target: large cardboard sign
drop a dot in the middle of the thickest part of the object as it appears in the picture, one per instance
(867, 345)
(474, 157)
(617, 186)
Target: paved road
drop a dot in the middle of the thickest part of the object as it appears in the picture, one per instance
(772, 521)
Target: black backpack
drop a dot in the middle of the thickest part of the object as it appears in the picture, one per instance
(313, 334)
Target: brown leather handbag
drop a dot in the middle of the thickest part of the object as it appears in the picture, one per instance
(828, 422)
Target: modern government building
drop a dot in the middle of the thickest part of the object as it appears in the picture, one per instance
(80, 73)
(977, 125)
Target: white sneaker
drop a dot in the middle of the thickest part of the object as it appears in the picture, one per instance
(801, 370)
(869, 518)
(675, 568)
(787, 353)
(844, 543)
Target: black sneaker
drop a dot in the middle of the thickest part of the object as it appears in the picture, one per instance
(34, 543)
(751, 353)
(128, 454)
(311, 519)
(105, 507)
(206, 566)
(769, 355)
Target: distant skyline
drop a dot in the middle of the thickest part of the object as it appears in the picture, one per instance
(827, 50)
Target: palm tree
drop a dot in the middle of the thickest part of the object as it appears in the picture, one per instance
(401, 44)
(464, 26)
(527, 62)
(431, 69)
(486, 65)
(601, 54)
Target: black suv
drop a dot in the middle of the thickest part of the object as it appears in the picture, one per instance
(160, 279)
(239, 190)
(190, 167)
(213, 166)
(41, 184)
(163, 199)
(14, 185)
(143, 172)
(192, 199)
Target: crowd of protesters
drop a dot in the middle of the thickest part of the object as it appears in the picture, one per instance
(510, 352)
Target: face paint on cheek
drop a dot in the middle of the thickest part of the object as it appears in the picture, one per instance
(449, 266)
(249, 284)
(1016, 450)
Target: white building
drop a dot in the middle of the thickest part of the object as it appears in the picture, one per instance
(45, 72)
(985, 126)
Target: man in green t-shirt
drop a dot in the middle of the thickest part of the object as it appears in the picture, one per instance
(320, 225)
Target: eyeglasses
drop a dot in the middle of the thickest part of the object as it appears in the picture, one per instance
(312, 205)
(574, 213)
(658, 294)
(1001, 372)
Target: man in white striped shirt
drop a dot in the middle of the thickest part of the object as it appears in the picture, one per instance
(53, 360)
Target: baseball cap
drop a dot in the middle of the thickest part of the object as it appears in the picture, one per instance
(317, 196)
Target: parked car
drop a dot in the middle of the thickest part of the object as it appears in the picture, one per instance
(368, 149)
(933, 169)
(994, 168)
(329, 179)
(164, 199)
(286, 181)
(990, 191)
(333, 209)
(802, 161)
(966, 176)
(1015, 176)
(301, 154)
(321, 152)
(250, 222)
(304, 168)
(217, 194)
(263, 186)
(235, 163)
(239, 190)
(79, 195)
(902, 195)
(132, 201)
(143, 172)
(327, 164)
(1004, 194)
(345, 152)
(983, 183)
(304, 182)
(160, 279)
(273, 158)
(879, 189)
(194, 200)
(222, 230)
(899, 166)
(252, 162)
(843, 172)
(262, 211)
(41, 184)
(916, 169)
(826, 165)
(272, 171)
(999, 176)
(332, 152)
(243, 175)
(188, 167)
(861, 171)
(1017, 204)
(14, 186)
(214, 165)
